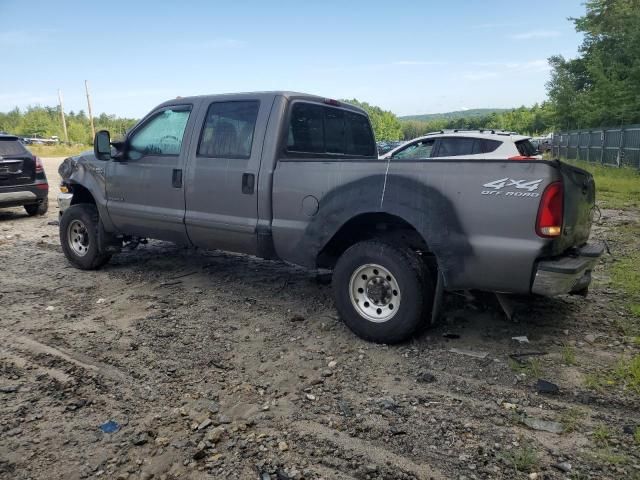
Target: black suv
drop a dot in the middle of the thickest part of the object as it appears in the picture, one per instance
(22, 178)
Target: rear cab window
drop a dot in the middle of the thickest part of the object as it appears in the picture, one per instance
(326, 131)
(11, 146)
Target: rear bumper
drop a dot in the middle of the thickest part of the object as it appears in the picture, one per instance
(19, 195)
(566, 274)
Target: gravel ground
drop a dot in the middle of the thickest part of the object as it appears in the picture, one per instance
(214, 365)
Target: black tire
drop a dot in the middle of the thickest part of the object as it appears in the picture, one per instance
(84, 220)
(409, 274)
(37, 208)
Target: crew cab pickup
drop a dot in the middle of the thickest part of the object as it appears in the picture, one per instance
(296, 177)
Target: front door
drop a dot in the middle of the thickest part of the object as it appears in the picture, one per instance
(145, 192)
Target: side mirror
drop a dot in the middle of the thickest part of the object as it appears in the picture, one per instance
(102, 145)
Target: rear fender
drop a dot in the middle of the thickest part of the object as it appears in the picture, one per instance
(423, 207)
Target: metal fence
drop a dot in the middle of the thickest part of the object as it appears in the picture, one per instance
(615, 146)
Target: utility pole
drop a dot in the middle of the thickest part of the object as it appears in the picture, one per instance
(86, 88)
(64, 121)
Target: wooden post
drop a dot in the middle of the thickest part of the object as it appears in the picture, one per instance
(64, 121)
(86, 88)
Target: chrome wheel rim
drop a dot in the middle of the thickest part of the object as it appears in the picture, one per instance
(78, 238)
(374, 293)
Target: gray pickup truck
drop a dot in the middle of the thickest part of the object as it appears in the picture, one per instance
(296, 177)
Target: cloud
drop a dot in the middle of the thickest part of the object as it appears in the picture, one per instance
(480, 75)
(493, 25)
(415, 62)
(532, 34)
(539, 65)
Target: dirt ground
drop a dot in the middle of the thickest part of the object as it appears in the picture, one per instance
(215, 365)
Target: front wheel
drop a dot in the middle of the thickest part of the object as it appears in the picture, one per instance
(382, 291)
(79, 237)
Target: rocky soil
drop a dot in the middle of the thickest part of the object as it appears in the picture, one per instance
(172, 363)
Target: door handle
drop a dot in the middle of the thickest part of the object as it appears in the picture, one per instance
(248, 183)
(176, 178)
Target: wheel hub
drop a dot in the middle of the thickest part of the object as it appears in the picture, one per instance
(379, 291)
(78, 238)
(374, 293)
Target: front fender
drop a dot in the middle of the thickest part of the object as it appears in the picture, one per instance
(90, 173)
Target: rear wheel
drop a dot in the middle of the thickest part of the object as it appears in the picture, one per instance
(381, 291)
(79, 237)
(37, 208)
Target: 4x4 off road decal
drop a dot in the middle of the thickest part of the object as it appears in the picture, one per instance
(505, 187)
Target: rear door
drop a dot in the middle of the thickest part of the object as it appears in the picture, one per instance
(145, 190)
(222, 175)
(17, 165)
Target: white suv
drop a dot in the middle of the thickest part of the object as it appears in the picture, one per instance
(467, 144)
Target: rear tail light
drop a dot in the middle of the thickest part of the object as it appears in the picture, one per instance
(521, 157)
(550, 211)
(39, 165)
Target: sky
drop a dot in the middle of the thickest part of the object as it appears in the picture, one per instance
(410, 57)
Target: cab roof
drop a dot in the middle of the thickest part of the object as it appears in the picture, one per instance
(289, 95)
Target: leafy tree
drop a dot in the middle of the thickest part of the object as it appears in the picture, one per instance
(45, 122)
(602, 86)
(386, 125)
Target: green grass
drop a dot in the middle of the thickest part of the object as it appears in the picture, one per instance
(57, 150)
(636, 436)
(532, 367)
(523, 459)
(607, 457)
(569, 355)
(627, 372)
(602, 435)
(615, 187)
(571, 419)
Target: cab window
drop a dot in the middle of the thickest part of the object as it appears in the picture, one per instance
(161, 135)
(420, 150)
(228, 129)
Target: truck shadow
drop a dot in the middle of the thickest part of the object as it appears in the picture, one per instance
(475, 319)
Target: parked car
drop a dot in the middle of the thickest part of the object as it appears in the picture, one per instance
(385, 146)
(296, 177)
(22, 178)
(467, 144)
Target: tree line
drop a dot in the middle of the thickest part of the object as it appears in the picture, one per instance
(45, 122)
(600, 87)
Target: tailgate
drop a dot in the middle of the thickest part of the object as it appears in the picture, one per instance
(579, 203)
(19, 170)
